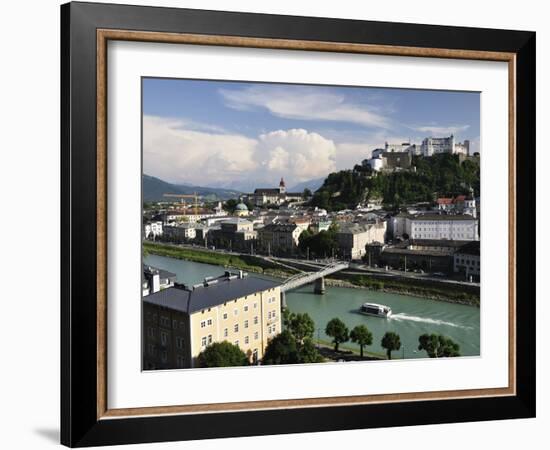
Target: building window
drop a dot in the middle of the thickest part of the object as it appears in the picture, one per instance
(203, 323)
(246, 323)
(164, 356)
(151, 332)
(225, 332)
(209, 322)
(180, 361)
(163, 338)
(151, 349)
(179, 342)
(182, 325)
(225, 316)
(235, 312)
(209, 339)
(203, 341)
(175, 324)
(245, 308)
(255, 305)
(246, 340)
(256, 336)
(256, 320)
(237, 343)
(236, 328)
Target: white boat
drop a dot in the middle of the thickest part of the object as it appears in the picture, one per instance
(374, 309)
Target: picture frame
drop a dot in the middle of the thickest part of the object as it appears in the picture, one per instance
(86, 418)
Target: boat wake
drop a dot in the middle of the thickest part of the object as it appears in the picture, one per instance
(403, 316)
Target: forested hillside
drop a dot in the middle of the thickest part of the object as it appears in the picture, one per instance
(439, 175)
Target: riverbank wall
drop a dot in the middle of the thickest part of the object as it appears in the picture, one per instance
(440, 291)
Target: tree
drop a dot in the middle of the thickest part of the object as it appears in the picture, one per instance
(438, 346)
(308, 353)
(361, 336)
(281, 350)
(306, 194)
(230, 205)
(301, 326)
(285, 349)
(391, 341)
(320, 244)
(304, 239)
(338, 331)
(222, 354)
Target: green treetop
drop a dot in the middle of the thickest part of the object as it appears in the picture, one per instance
(361, 336)
(338, 331)
(391, 341)
(300, 325)
(438, 346)
(222, 354)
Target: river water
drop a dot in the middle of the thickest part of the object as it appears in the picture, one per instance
(412, 316)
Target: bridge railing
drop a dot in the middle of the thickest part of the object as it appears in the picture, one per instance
(308, 277)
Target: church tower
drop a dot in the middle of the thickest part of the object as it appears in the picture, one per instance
(282, 187)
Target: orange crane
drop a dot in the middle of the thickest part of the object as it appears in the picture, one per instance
(182, 196)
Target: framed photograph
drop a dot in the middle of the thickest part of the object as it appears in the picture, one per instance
(276, 224)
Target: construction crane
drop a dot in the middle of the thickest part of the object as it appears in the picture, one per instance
(182, 196)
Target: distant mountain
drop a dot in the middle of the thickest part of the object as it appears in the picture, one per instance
(154, 189)
(241, 185)
(312, 185)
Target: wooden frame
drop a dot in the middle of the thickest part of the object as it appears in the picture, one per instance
(86, 418)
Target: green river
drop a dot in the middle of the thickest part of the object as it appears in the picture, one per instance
(412, 316)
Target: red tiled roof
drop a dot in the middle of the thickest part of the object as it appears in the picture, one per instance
(449, 201)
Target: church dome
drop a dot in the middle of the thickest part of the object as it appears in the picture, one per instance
(241, 207)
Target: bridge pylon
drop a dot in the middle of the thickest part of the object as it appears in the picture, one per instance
(319, 287)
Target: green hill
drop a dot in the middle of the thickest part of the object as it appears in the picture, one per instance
(439, 175)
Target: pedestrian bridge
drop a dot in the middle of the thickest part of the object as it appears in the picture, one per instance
(302, 279)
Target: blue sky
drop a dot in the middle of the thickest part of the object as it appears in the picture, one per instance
(239, 134)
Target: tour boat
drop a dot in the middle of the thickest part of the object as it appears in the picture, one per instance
(374, 309)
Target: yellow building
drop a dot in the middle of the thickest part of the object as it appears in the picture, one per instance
(180, 322)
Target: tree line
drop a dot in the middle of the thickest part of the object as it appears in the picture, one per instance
(435, 345)
(295, 345)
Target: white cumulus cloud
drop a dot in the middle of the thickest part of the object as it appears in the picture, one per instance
(178, 151)
(175, 153)
(297, 154)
